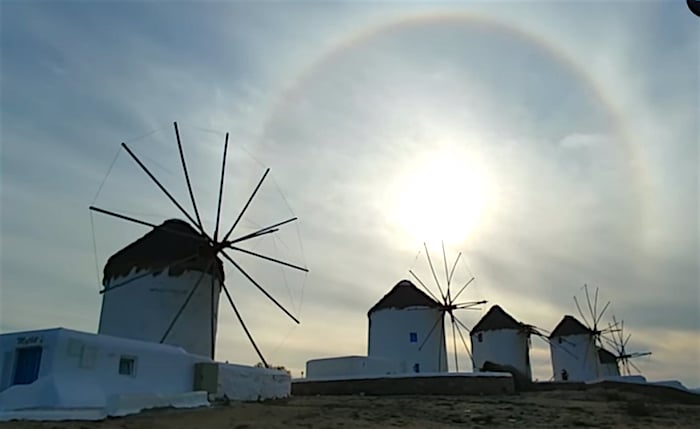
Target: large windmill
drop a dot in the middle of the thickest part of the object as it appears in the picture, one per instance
(449, 303)
(165, 286)
(618, 341)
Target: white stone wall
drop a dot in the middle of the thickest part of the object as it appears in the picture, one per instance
(345, 366)
(81, 370)
(609, 370)
(577, 355)
(143, 310)
(504, 347)
(390, 338)
(245, 383)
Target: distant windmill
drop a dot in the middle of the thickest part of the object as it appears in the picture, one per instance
(580, 341)
(448, 303)
(619, 342)
(181, 307)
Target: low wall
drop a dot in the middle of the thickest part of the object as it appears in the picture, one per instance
(241, 383)
(425, 384)
(352, 366)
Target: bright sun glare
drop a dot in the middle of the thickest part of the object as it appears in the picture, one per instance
(442, 197)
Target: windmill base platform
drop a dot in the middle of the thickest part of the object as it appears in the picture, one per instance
(480, 383)
(62, 374)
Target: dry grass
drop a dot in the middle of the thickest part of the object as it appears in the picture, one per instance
(554, 409)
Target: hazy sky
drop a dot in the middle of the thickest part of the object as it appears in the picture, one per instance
(553, 144)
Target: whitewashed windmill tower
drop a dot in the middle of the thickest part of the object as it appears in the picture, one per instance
(573, 351)
(408, 324)
(499, 338)
(400, 322)
(165, 286)
(574, 346)
(608, 363)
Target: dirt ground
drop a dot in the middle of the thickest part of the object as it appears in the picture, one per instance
(554, 409)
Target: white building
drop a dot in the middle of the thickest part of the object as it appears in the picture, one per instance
(608, 364)
(407, 326)
(57, 374)
(574, 352)
(500, 339)
(147, 283)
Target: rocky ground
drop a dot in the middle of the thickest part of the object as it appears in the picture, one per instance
(595, 408)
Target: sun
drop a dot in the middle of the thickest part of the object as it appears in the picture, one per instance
(441, 197)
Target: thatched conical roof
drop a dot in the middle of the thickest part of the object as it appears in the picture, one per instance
(404, 294)
(174, 245)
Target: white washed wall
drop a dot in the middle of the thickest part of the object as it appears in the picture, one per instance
(245, 383)
(504, 347)
(351, 366)
(81, 370)
(144, 309)
(577, 355)
(389, 338)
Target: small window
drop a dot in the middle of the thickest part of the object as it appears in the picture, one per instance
(127, 365)
(559, 340)
(413, 337)
(416, 367)
(480, 337)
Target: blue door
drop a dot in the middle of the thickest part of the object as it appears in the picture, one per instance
(27, 365)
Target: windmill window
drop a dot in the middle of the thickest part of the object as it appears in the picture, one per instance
(413, 337)
(416, 367)
(480, 337)
(127, 365)
(559, 340)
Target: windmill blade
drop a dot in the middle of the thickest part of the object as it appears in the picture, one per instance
(430, 262)
(142, 222)
(559, 346)
(469, 353)
(423, 285)
(581, 312)
(245, 207)
(452, 271)
(243, 325)
(431, 331)
(627, 340)
(121, 216)
(444, 260)
(454, 343)
(162, 188)
(266, 230)
(267, 258)
(639, 354)
(212, 319)
(635, 367)
(459, 322)
(470, 305)
(442, 345)
(149, 273)
(463, 287)
(221, 190)
(260, 288)
(590, 308)
(187, 301)
(187, 177)
(600, 316)
(595, 304)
